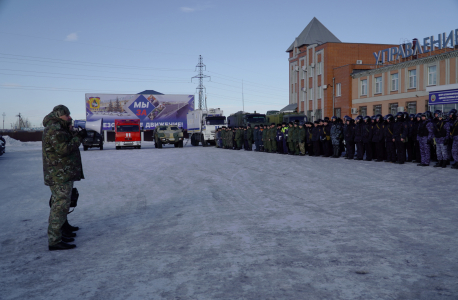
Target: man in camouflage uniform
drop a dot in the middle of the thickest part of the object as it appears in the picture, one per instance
(61, 167)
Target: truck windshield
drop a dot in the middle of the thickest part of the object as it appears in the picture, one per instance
(215, 120)
(173, 128)
(256, 119)
(294, 118)
(127, 128)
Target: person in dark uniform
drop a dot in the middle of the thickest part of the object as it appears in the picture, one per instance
(378, 129)
(279, 139)
(359, 138)
(349, 136)
(316, 138)
(454, 136)
(425, 138)
(441, 137)
(399, 137)
(366, 133)
(389, 139)
(308, 137)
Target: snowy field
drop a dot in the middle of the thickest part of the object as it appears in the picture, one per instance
(206, 223)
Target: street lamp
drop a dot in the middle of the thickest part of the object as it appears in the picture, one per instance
(3, 120)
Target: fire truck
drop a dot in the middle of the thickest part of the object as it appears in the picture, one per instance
(127, 133)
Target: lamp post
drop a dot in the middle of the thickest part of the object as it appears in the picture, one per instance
(3, 120)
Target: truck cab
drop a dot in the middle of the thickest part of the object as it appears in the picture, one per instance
(127, 133)
(203, 124)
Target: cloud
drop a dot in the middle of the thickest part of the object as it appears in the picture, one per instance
(188, 9)
(72, 37)
(10, 84)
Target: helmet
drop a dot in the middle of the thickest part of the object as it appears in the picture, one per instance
(428, 115)
(418, 115)
(379, 118)
(367, 119)
(438, 112)
(452, 114)
(406, 115)
(412, 116)
(400, 117)
(326, 119)
(453, 110)
(389, 117)
(373, 118)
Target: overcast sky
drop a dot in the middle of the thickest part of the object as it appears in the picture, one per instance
(53, 52)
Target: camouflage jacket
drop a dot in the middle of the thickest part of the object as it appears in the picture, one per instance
(61, 155)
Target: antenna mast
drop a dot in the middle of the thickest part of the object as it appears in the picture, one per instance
(200, 88)
(243, 100)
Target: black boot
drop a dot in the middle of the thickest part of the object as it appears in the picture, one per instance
(438, 164)
(61, 246)
(68, 227)
(444, 164)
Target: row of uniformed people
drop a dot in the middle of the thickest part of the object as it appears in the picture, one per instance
(397, 139)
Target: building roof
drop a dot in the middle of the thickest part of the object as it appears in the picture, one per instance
(150, 92)
(313, 33)
(289, 108)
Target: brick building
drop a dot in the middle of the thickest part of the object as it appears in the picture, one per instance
(320, 68)
(408, 85)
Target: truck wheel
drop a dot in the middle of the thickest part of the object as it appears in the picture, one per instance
(180, 144)
(175, 145)
(202, 140)
(85, 148)
(139, 147)
(118, 147)
(101, 147)
(193, 140)
(159, 144)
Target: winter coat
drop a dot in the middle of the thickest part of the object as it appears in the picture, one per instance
(358, 132)
(441, 131)
(366, 132)
(350, 133)
(425, 128)
(279, 135)
(378, 132)
(336, 133)
(389, 129)
(400, 130)
(61, 154)
(317, 133)
(301, 135)
(249, 134)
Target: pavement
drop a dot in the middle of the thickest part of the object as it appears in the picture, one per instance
(207, 223)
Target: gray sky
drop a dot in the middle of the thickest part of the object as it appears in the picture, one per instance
(53, 52)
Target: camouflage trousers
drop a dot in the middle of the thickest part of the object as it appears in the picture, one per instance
(424, 149)
(60, 203)
(455, 148)
(441, 151)
(302, 148)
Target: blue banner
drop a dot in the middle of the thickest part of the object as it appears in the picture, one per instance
(443, 97)
(152, 110)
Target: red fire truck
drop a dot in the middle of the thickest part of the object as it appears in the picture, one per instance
(127, 133)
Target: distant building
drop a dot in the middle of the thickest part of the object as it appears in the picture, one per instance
(424, 82)
(320, 68)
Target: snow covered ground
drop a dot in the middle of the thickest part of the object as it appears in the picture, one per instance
(206, 223)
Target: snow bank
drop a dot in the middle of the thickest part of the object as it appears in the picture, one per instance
(15, 145)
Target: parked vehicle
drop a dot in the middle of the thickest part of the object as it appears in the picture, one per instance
(287, 117)
(170, 134)
(127, 133)
(2, 145)
(202, 125)
(92, 140)
(243, 119)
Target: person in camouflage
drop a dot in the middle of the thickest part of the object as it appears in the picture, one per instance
(61, 167)
(301, 136)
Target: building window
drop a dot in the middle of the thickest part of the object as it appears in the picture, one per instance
(412, 107)
(393, 108)
(377, 109)
(394, 82)
(318, 114)
(364, 87)
(319, 70)
(363, 111)
(320, 89)
(378, 85)
(432, 75)
(337, 112)
(448, 107)
(310, 93)
(338, 90)
(412, 79)
(292, 88)
(310, 72)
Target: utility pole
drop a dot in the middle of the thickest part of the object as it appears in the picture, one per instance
(19, 120)
(3, 119)
(200, 88)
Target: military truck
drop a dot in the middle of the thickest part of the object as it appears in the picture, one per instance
(287, 117)
(242, 118)
(168, 134)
